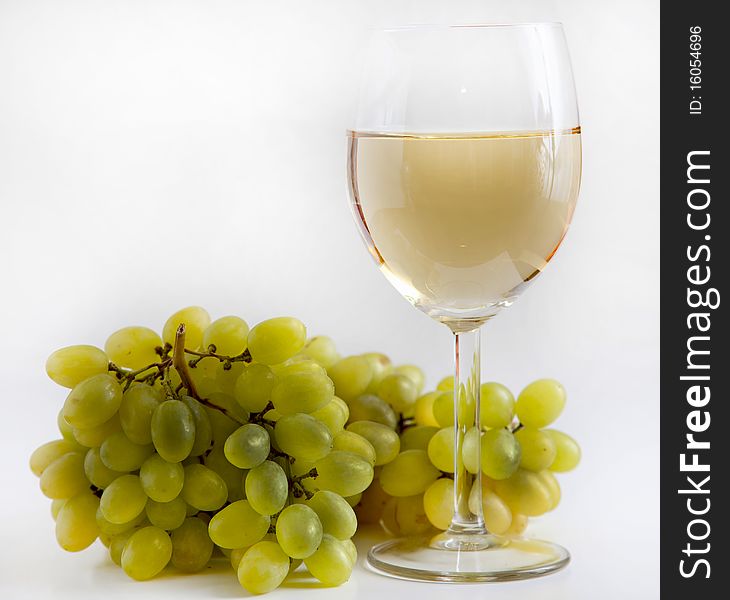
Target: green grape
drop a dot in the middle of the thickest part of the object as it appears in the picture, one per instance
(500, 453)
(380, 367)
(298, 530)
(341, 472)
(497, 405)
(56, 506)
(267, 488)
(166, 515)
(331, 563)
(248, 446)
(238, 525)
(226, 377)
(370, 508)
(146, 553)
(116, 546)
(135, 412)
(236, 556)
(441, 450)
(351, 376)
(353, 500)
(233, 476)
(229, 404)
(384, 440)
(228, 334)
(334, 415)
(263, 568)
(253, 387)
(295, 366)
(203, 431)
(351, 550)
(553, 487)
(64, 428)
(273, 341)
(438, 503)
(417, 437)
(196, 320)
(525, 493)
(96, 471)
(303, 437)
(94, 437)
(191, 546)
(497, 515)
(203, 488)
(443, 408)
(221, 425)
(173, 430)
(123, 500)
(112, 529)
(76, 527)
(44, 455)
(400, 392)
(322, 350)
(409, 474)
(567, 451)
(302, 392)
(355, 443)
(446, 384)
(120, 454)
(162, 481)
(423, 412)
(71, 365)
(410, 515)
(335, 514)
(372, 408)
(540, 403)
(92, 401)
(518, 526)
(414, 373)
(64, 477)
(537, 448)
(470, 449)
(133, 347)
(388, 520)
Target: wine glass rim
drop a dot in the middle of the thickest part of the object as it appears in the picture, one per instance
(423, 26)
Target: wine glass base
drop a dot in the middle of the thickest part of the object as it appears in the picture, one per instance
(468, 558)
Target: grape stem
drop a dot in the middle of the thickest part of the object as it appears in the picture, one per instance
(227, 361)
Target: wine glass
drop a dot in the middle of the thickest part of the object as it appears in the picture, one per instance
(464, 167)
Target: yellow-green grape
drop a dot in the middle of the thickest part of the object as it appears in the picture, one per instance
(537, 448)
(123, 500)
(146, 553)
(298, 530)
(275, 340)
(94, 437)
(414, 373)
(380, 367)
(353, 500)
(229, 335)
(248, 446)
(92, 401)
(443, 409)
(253, 387)
(76, 527)
(355, 443)
(322, 350)
(497, 405)
(203, 488)
(369, 407)
(166, 515)
(226, 377)
(161, 480)
(551, 483)
(567, 451)
(112, 529)
(233, 476)
(195, 319)
(387, 518)
(229, 404)
(441, 450)
(295, 366)
(384, 440)
(56, 506)
(497, 515)
(303, 437)
(133, 347)
(370, 507)
(119, 453)
(96, 471)
(438, 503)
(423, 412)
(135, 412)
(71, 365)
(400, 392)
(500, 453)
(518, 526)
(331, 563)
(446, 384)
(173, 430)
(470, 449)
(50, 451)
(540, 403)
(116, 546)
(263, 567)
(351, 376)
(238, 525)
(409, 474)
(64, 477)
(341, 472)
(191, 546)
(203, 431)
(333, 414)
(525, 493)
(64, 428)
(335, 514)
(302, 392)
(350, 549)
(417, 437)
(267, 488)
(411, 516)
(236, 556)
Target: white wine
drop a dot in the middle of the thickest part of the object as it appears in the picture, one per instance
(459, 222)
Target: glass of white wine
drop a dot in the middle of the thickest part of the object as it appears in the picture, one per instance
(464, 166)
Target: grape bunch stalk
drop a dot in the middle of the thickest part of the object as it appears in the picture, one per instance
(267, 447)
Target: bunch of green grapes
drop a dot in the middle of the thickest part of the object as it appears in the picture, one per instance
(209, 438)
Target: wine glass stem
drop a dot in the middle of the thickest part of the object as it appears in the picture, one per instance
(467, 366)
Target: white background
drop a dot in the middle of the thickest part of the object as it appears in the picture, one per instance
(159, 154)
